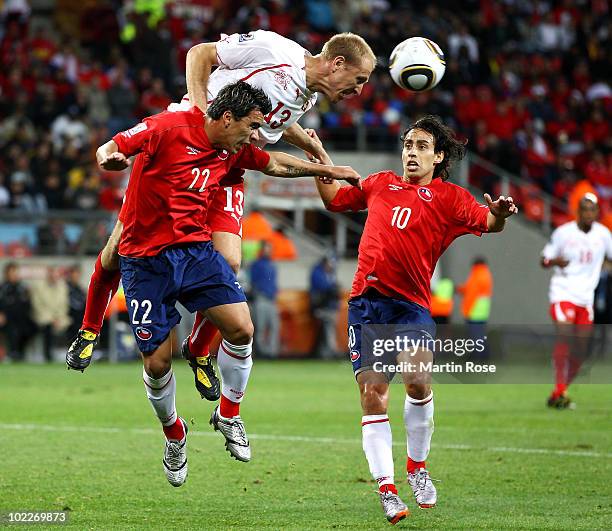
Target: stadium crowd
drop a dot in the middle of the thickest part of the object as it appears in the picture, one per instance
(527, 83)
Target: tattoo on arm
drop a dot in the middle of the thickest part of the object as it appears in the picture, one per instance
(293, 171)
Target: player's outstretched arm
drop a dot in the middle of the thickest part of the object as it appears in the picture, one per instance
(308, 141)
(200, 60)
(110, 158)
(284, 165)
(499, 210)
(550, 262)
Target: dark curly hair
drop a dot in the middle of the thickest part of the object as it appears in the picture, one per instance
(444, 140)
(240, 99)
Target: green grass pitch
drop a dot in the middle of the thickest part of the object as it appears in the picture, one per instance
(90, 442)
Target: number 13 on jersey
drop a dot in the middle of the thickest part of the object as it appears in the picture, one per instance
(234, 201)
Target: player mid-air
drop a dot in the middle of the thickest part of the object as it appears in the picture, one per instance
(292, 78)
(576, 251)
(166, 253)
(412, 219)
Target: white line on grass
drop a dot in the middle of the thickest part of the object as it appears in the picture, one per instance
(300, 438)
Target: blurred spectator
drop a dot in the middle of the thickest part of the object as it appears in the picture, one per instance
(255, 226)
(69, 128)
(476, 305)
(324, 294)
(51, 238)
(15, 308)
(442, 291)
(67, 61)
(5, 196)
(462, 39)
(263, 291)
(155, 99)
(282, 246)
(526, 82)
(18, 10)
(50, 308)
(86, 195)
(122, 100)
(23, 198)
(98, 108)
(76, 300)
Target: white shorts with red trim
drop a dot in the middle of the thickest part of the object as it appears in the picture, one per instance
(568, 312)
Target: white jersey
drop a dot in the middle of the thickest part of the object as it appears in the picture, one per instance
(585, 252)
(270, 62)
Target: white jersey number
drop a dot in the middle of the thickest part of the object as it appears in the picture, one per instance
(197, 173)
(146, 306)
(230, 206)
(401, 215)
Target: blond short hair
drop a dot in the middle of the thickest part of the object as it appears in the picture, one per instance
(352, 47)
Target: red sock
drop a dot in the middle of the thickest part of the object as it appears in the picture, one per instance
(413, 466)
(388, 487)
(560, 361)
(575, 362)
(559, 390)
(102, 287)
(176, 432)
(202, 334)
(229, 409)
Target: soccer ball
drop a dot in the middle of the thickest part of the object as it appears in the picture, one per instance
(417, 64)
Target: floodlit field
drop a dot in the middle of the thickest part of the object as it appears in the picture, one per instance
(89, 443)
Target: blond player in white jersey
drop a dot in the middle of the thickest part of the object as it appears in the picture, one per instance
(576, 252)
(291, 77)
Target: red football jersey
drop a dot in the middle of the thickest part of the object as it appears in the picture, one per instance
(174, 178)
(407, 230)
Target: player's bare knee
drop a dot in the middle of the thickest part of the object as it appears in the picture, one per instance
(240, 334)
(374, 398)
(156, 367)
(418, 391)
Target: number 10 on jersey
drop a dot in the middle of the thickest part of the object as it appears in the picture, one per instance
(400, 218)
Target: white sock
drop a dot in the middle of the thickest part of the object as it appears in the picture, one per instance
(161, 393)
(234, 363)
(377, 445)
(419, 421)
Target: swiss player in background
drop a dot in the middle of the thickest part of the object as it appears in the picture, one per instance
(411, 220)
(291, 77)
(167, 256)
(576, 251)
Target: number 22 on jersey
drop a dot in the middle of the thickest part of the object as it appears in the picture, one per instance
(197, 183)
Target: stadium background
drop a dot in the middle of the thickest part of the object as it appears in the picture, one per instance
(527, 84)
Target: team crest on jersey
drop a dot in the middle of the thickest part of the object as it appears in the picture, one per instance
(223, 154)
(425, 194)
(355, 355)
(246, 37)
(281, 78)
(144, 334)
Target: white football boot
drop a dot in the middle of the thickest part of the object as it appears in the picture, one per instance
(236, 441)
(395, 509)
(175, 459)
(423, 488)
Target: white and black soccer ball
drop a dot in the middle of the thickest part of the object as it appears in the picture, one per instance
(417, 64)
